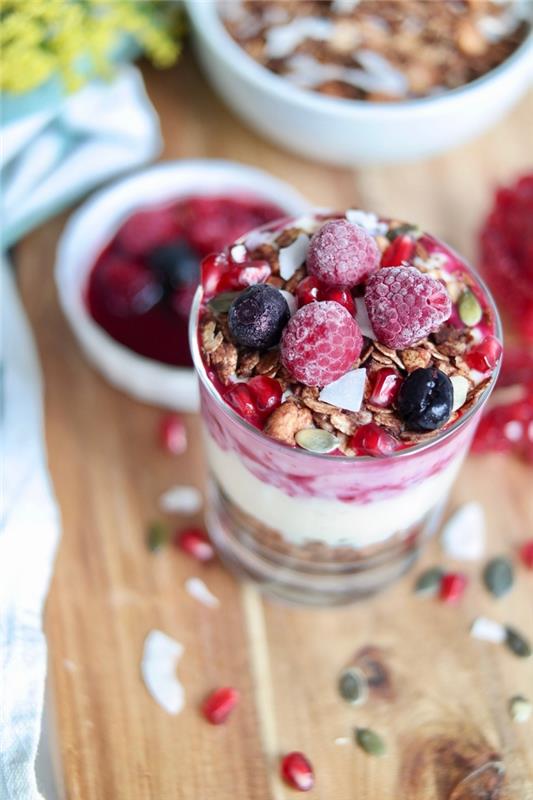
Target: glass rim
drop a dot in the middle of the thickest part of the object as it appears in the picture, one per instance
(417, 448)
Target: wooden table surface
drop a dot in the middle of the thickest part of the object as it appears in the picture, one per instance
(445, 710)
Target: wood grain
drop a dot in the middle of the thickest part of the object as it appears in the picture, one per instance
(445, 709)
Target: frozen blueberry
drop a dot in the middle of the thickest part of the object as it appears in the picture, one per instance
(425, 399)
(257, 317)
(175, 265)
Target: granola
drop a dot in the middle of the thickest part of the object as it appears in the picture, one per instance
(455, 349)
(377, 50)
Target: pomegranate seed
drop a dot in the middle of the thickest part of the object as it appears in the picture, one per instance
(526, 553)
(485, 355)
(400, 250)
(267, 393)
(195, 543)
(243, 401)
(372, 440)
(297, 772)
(218, 706)
(452, 587)
(173, 434)
(307, 290)
(212, 268)
(229, 281)
(341, 296)
(256, 272)
(385, 387)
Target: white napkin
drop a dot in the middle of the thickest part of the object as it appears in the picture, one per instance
(50, 159)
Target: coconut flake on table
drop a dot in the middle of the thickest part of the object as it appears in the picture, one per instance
(291, 301)
(181, 500)
(284, 39)
(293, 256)
(463, 536)
(367, 220)
(344, 6)
(197, 589)
(363, 320)
(488, 630)
(346, 392)
(160, 658)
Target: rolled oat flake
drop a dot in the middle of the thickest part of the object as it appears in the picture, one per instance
(498, 576)
(353, 686)
(520, 708)
(316, 440)
(517, 643)
(370, 741)
(469, 308)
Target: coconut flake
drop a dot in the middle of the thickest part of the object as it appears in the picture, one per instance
(181, 500)
(307, 223)
(460, 390)
(158, 668)
(366, 220)
(197, 589)
(293, 256)
(346, 392)
(488, 630)
(363, 320)
(463, 536)
(239, 253)
(291, 301)
(284, 39)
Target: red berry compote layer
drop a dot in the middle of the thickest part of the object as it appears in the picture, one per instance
(342, 335)
(141, 287)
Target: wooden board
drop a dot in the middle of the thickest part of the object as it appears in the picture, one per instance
(445, 709)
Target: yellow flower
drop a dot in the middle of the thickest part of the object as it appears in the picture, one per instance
(76, 39)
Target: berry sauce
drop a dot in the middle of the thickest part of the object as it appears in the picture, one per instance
(142, 284)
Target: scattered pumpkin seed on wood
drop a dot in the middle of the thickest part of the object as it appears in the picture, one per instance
(498, 576)
(517, 643)
(520, 708)
(428, 582)
(157, 536)
(353, 686)
(370, 741)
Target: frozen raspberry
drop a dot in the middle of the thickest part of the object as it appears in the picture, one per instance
(320, 343)
(404, 305)
(342, 254)
(128, 288)
(148, 229)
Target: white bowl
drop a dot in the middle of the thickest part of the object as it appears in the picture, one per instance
(94, 224)
(346, 132)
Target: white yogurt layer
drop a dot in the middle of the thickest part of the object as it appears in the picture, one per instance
(303, 519)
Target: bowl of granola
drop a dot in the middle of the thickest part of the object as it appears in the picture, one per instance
(366, 81)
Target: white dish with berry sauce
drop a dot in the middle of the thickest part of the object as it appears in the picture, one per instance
(345, 131)
(281, 509)
(94, 225)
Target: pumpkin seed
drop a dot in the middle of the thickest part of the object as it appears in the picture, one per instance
(469, 308)
(157, 536)
(520, 708)
(221, 303)
(353, 686)
(316, 440)
(428, 583)
(370, 741)
(517, 643)
(498, 576)
(402, 230)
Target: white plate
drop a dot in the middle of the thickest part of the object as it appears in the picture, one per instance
(94, 224)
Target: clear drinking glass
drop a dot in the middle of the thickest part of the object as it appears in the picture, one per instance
(322, 529)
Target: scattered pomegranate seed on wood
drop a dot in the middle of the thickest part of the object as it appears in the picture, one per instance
(297, 772)
(452, 587)
(526, 553)
(173, 434)
(219, 704)
(195, 542)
